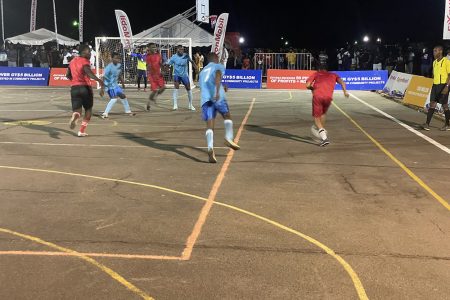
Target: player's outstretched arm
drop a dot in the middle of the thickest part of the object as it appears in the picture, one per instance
(344, 87)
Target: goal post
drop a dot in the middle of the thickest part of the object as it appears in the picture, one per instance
(104, 46)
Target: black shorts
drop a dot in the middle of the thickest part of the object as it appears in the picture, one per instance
(82, 96)
(142, 73)
(436, 95)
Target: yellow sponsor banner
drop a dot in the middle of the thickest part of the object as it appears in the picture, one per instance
(418, 90)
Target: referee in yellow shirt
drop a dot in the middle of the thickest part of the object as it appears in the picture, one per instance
(440, 89)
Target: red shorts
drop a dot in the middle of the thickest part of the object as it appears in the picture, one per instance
(320, 106)
(156, 82)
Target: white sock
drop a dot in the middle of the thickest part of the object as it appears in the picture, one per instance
(175, 97)
(323, 134)
(126, 105)
(210, 139)
(109, 106)
(229, 135)
(190, 97)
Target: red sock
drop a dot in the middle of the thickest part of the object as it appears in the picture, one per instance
(84, 124)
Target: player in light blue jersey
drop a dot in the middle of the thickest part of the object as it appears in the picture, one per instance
(212, 101)
(180, 62)
(111, 79)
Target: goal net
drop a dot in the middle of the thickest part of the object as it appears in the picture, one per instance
(167, 47)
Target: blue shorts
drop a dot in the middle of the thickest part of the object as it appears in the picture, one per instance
(210, 109)
(115, 92)
(181, 79)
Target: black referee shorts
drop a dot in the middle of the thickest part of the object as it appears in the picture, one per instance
(82, 96)
(436, 94)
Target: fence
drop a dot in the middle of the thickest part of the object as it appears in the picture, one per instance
(291, 61)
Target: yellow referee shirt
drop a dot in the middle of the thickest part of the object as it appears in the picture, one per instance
(441, 69)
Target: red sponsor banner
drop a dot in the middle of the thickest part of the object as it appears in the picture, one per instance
(288, 79)
(58, 78)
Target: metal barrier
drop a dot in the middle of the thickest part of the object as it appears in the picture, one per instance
(290, 60)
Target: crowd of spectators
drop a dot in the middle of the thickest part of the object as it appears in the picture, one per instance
(39, 56)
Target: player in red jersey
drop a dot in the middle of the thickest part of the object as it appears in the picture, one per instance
(322, 85)
(154, 63)
(80, 74)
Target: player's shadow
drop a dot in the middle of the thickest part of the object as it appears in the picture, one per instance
(52, 131)
(378, 116)
(280, 134)
(175, 148)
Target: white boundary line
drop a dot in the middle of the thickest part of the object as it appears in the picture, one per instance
(418, 133)
(90, 145)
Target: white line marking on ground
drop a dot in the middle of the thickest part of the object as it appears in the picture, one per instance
(91, 145)
(418, 133)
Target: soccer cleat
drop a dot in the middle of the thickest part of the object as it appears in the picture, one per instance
(148, 107)
(192, 108)
(104, 116)
(324, 143)
(175, 107)
(73, 120)
(445, 128)
(82, 134)
(425, 126)
(232, 145)
(212, 156)
(131, 114)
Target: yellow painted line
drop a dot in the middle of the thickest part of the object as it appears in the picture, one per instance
(27, 123)
(201, 220)
(114, 275)
(398, 162)
(354, 277)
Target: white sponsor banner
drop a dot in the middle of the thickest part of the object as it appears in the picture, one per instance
(219, 34)
(397, 84)
(80, 21)
(124, 29)
(33, 15)
(203, 11)
(447, 20)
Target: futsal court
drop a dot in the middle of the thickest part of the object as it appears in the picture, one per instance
(135, 210)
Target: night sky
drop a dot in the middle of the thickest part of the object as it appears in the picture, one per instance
(314, 25)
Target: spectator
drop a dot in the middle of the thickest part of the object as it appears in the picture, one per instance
(291, 58)
(425, 63)
(390, 63)
(340, 59)
(28, 57)
(43, 57)
(67, 56)
(377, 60)
(400, 63)
(347, 60)
(12, 56)
(410, 61)
(323, 58)
(246, 63)
(3, 56)
(55, 58)
(93, 59)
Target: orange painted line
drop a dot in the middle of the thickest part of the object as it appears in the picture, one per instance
(129, 256)
(192, 239)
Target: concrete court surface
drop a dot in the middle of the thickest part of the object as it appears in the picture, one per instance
(135, 211)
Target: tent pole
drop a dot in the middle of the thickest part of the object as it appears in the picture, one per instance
(56, 26)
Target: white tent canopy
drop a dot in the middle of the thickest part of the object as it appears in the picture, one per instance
(179, 27)
(40, 37)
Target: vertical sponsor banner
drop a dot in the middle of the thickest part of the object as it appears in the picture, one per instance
(33, 15)
(219, 34)
(447, 20)
(80, 20)
(124, 29)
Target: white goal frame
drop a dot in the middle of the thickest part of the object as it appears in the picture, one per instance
(164, 44)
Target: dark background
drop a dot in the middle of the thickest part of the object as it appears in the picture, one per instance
(312, 24)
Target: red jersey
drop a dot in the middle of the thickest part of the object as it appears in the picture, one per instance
(154, 64)
(323, 83)
(79, 77)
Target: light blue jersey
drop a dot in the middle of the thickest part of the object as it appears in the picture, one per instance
(207, 81)
(111, 76)
(180, 63)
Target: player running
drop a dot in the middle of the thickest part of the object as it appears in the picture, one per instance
(112, 78)
(80, 74)
(212, 101)
(322, 85)
(154, 63)
(180, 61)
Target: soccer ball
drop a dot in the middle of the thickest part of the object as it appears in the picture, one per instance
(315, 132)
